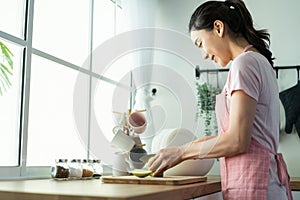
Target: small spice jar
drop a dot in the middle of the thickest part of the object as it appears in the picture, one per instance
(75, 169)
(97, 168)
(87, 168)
(60, 170)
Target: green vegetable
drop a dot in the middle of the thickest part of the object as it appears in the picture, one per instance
(141, 173)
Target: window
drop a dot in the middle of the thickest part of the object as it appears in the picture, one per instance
(10, 112)
(51, 130)
(61, 28)
(51, 46)
(12, 18)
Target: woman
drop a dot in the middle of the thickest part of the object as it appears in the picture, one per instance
(247, 109)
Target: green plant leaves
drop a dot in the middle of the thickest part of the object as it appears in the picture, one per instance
(206, 100)
(6, 67)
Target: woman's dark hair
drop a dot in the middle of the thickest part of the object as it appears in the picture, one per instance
(237, 17)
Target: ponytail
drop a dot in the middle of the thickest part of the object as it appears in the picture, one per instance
(237, 17)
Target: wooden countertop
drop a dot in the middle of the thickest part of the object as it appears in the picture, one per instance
(295, 183)
(47, 189)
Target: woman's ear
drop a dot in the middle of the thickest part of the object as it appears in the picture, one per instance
(219, 28)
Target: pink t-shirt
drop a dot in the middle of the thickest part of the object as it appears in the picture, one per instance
(252, 73)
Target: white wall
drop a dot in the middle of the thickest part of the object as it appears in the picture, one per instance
(279, 17)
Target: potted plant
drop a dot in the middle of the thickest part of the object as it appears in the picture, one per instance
(206, 100)
(6, 67)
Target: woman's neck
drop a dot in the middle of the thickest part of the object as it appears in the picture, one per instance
(239, 45)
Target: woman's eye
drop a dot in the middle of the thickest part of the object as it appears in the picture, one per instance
(198, 44)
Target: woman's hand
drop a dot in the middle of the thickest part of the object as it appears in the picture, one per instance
(165, 159)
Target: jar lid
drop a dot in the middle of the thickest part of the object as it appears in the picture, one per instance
(61, 160)
(96, 161)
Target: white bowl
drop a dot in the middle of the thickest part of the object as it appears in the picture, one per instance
(176, 137)
(191, 168)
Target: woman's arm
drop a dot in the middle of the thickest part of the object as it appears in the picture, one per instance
(237, 138)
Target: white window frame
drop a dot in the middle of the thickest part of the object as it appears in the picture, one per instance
(22, 171)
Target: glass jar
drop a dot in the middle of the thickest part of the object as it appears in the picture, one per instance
(75, 169)
(87, 168)
(97, 168)
(60, 170)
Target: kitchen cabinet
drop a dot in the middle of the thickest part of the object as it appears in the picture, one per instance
(296, 195)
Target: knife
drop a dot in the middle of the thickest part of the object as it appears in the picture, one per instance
(145, 158)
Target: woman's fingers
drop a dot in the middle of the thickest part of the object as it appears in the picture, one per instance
(165, 159)
(160, 170)
(158, 164)
(155, 163)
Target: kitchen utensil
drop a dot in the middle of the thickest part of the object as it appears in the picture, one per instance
(168, 180)
(121, 165)
(122, 141)
(137, 121)
(135, 153)
(145, 158)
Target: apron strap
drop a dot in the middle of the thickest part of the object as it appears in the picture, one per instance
(247, 48)
(283, 175)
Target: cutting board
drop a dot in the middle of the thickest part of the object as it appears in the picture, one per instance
(168, 180)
